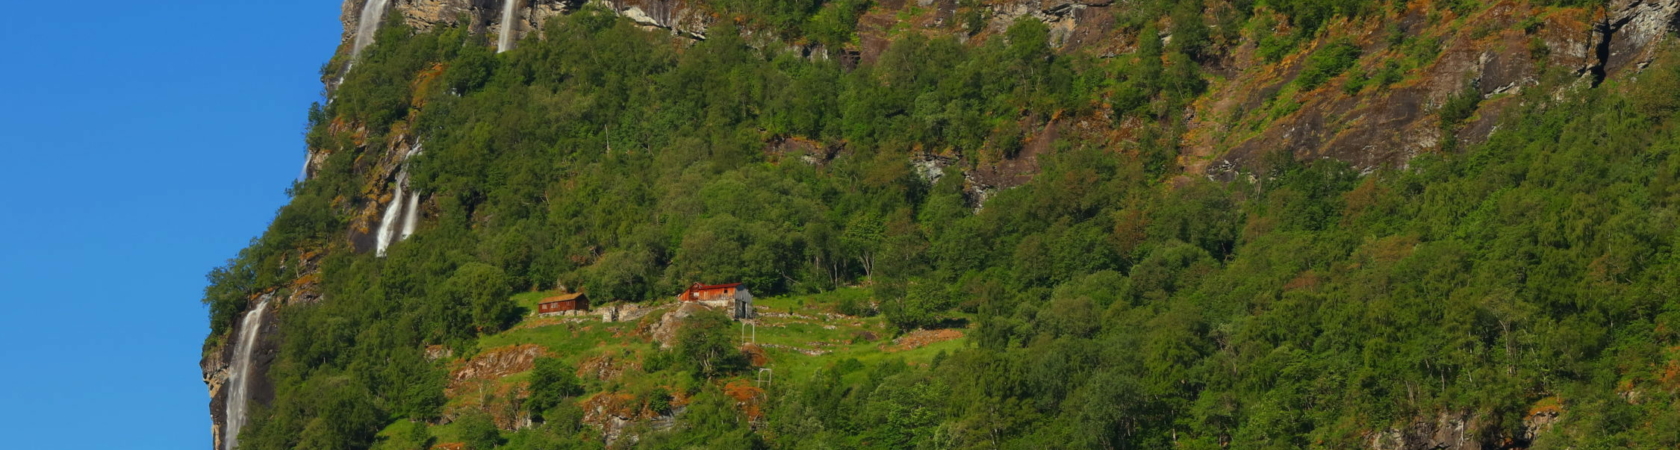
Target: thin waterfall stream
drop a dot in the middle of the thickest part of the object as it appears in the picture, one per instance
(505, 41)
(367, 25)
(239, 372)
(386, 233)
(411, 215)
(401, 216)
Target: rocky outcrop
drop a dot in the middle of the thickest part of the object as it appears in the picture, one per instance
(1073, 23)
(494, 364)
(214, 365)
(618, 415)
(1448, 431)
(664, 330)
(681, 17)
(1627, 35)
(608, 366)
(1487, 51)
(1490, 53)
(623, 312)
(217, 361)
(1461, 430)
(476, 385)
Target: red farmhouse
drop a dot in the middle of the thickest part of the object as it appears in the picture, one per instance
(732, 297)
(709, 292)
(563, 303)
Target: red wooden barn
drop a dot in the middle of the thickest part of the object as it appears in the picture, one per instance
(709, 292)
(732, 297)
(563, 303)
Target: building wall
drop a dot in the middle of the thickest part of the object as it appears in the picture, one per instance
(736, 301)
(577, 304)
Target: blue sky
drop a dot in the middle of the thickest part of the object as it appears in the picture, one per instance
(143, 143)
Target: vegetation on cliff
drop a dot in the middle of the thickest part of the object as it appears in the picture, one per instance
(1109, 302)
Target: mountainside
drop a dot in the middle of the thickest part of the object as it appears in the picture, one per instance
(971, 224)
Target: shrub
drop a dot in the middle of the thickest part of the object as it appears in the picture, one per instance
(478, 431)
(1328, 62)
(708, 345)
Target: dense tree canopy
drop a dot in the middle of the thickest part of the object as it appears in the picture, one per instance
(1114, 304)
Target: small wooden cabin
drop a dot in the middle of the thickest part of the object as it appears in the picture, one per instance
(709, 292)
(563, 303)
(732, 297)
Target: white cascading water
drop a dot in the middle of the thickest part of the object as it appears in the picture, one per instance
(410, 215)
(411, 212)
(303, 174)
(505, 41)
(390, 229)
(367, 25)
(239, 372)
(392, 212)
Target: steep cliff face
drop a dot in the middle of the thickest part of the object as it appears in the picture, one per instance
(1255, 106)
(485, 16)
(252, 358)
(1249, 111)
(1490, 52)
(1460, 430)
(1627, 36)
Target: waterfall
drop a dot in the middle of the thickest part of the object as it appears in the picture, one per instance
(390, 229)
(392, 211)
(505, 41)
(366, 26)
(303, 174)
(372, 12)
(239, 372)
(410, 215)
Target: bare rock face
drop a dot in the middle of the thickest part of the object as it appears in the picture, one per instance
(218, 360)
(681, 17)
(1369, 129)
(215, 368)
(616, 414)
(1489, 54)
(495, 364)
(542, 10)
(623, 312)
(1448, 431)
(1072, 22)
(424, 14)
(1461, 430)
(1628, 34)
(608, 367)
(665, 330)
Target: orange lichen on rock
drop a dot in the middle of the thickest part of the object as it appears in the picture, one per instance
(756, 354)
(423, 83)
(1548, 405)
(748, 398)
(608, 366)
(1670, 377)
(1543, 414)
(494, 364)
(600, 410)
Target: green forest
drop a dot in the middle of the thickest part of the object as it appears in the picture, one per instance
(1112, 302)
